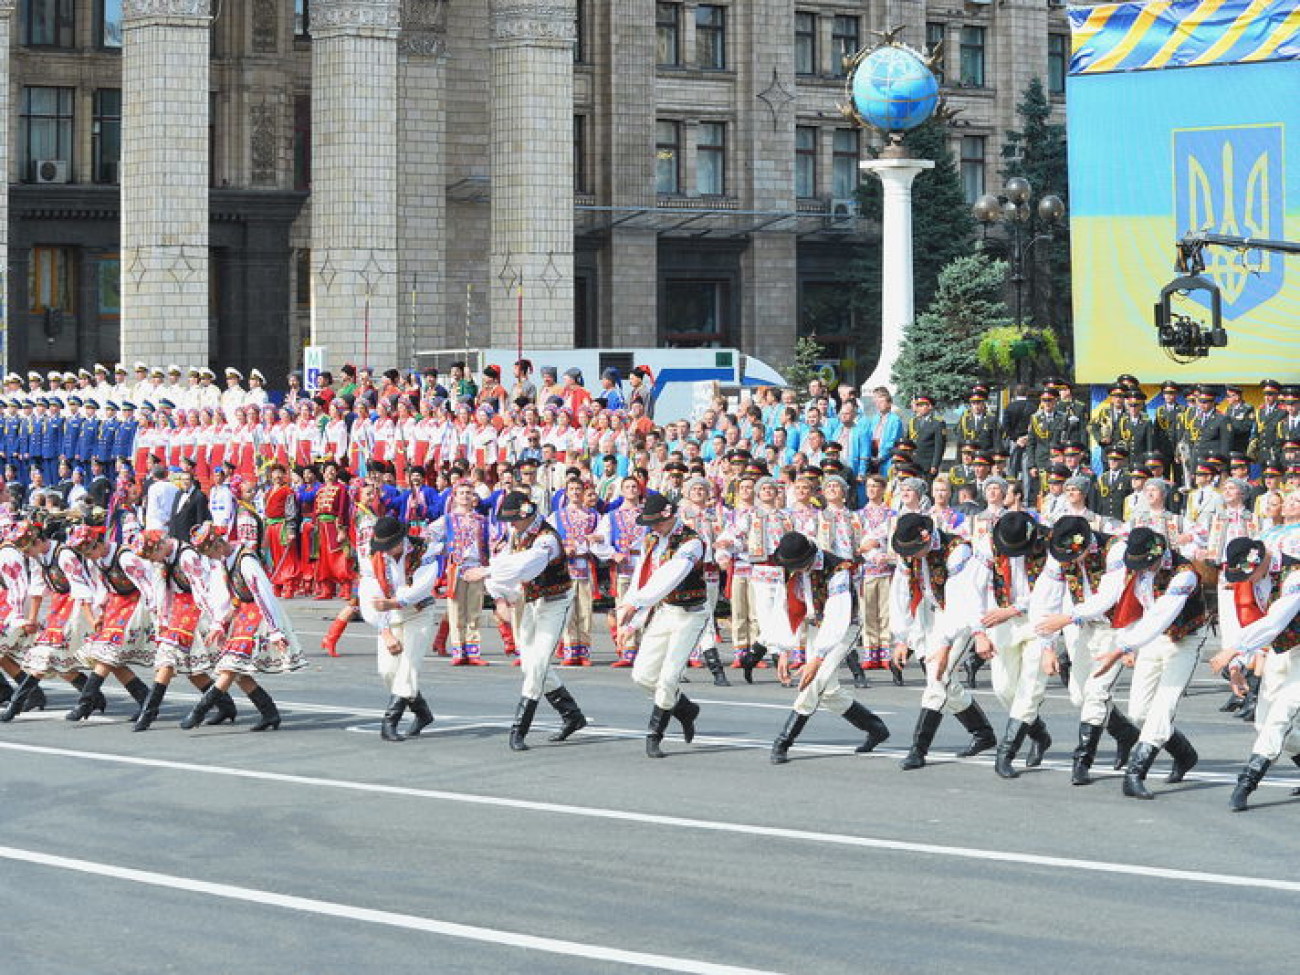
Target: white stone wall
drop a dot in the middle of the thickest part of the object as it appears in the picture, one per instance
(532, 170)
(354, 180)
(164, 176)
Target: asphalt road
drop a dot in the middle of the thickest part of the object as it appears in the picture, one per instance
(321, 849)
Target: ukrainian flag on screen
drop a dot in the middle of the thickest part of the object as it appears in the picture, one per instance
(1184, 116)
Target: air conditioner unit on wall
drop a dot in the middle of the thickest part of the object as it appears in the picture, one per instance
(981, 3)
(843, 209)
(51, 170)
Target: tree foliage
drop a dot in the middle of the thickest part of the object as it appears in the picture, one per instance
(804, 366)
(940, 353)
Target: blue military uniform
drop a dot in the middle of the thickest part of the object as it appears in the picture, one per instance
(25, 423)
(124, 442)
(36, 438)
(71, 431)
(52, 440)
(86, 442)
(9, 436)
(106, 439)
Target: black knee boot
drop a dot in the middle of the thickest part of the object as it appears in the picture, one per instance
(570, 713)
(266, 708)
(927, 724)
(781, 746)
(86, 702)
(423, 715)
(1183, 754)
(151, 707)
(974, 720)
(864, 719)
(1009, 747)
(855, 668)
(200, 711)
(714, 663)
(79, 682)
(971, 668)
(388, 725)
(1255, 770)
(1084, 753)
(224, 711)
(1139, 764)
(21, 697)
(6, 689)
(139, 691)
(686, 711)
(1251, 702)
(751, 659)
(523, 721)
(1039, 742)
(1125, 733)
(655, 732)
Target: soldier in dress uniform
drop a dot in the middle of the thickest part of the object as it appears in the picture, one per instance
(1075, 412)
(1267, 417)
(84, 451)
(1046, 430)
(1169, 429)
(1206, 428)
(929, 433)
(1105, 418)
(1134, 429)
(1240, 418)
(963, 472)
(977, 425)
(1113, 486)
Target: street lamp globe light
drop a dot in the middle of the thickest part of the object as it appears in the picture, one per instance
(1018, 190)
(1051, 209)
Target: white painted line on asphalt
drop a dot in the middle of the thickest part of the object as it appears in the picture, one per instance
(679, 822)
(367, 915)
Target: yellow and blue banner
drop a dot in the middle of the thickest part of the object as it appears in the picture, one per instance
(1183, 116)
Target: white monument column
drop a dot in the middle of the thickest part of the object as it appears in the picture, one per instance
(164, 195)
(6, 28)
(354, 287)
(532, 172)
(896, 174)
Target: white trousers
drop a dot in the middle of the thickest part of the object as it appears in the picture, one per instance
(1016, 670)
(539, 624)
(401, 671)
(1277, 716)
(942, 688)
(825, 689)
(665, 650)
(1160, 675)
(1090, 693)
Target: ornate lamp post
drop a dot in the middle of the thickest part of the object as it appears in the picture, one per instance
(1013, 208)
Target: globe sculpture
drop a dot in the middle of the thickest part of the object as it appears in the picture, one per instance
(894, 90)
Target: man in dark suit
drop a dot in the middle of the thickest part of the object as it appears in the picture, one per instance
(1015, 427)
(189, 509)
(930, 434)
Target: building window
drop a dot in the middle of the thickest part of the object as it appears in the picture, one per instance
(302, 19)
(935, 34)
(1058, 58)
(108, 24)
(846, 39)
(711, 159)
(49, 23)
(579, 32)
(805, 162)
(972, 57)
(51, 279)
(668, 157)
(711, 36)
(696, 314)
(668, 28)
(972, 167)
(302, 141)
(46, 125)
(302, 279)
(106, 135)
(846, 175)
(805, 43)
(579, 154)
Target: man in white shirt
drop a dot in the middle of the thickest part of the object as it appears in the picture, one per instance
(159, 500)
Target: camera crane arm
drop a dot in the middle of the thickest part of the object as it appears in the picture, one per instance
(1191, 249)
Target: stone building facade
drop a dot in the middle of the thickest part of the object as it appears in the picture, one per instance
(224, 181)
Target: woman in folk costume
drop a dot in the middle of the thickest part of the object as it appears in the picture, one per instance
(483, 439)
(419, 447)
(842, 532)
(241, 441)
(361, 441)
(576, 520)
(460, 537)
(619, 536)
(363, 513)
(253, 636)
(281, 510)
(250, 529)
(403, 435)
(263, 424)
(145, 444)
(202, 424)
(335, 435)
(333, 567)
(216, 430)
(705, 518)
(50, 649)
(304, 434)
(396, 597)
(809, 597)
(179, 597)
(307, 546)
(122, 636)
(384, 432)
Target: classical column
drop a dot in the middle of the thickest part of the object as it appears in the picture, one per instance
(6, 26)
(354, 180)
(164, 173)
(896, 174)
(421, 178)
(532, 172)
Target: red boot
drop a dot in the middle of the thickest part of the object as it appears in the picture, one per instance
(331, 641)
(508, 638)
(440, 639)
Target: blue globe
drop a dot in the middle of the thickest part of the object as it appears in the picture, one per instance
(893, 90)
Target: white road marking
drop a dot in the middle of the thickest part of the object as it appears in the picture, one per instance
(679, 822)
(351, 912)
